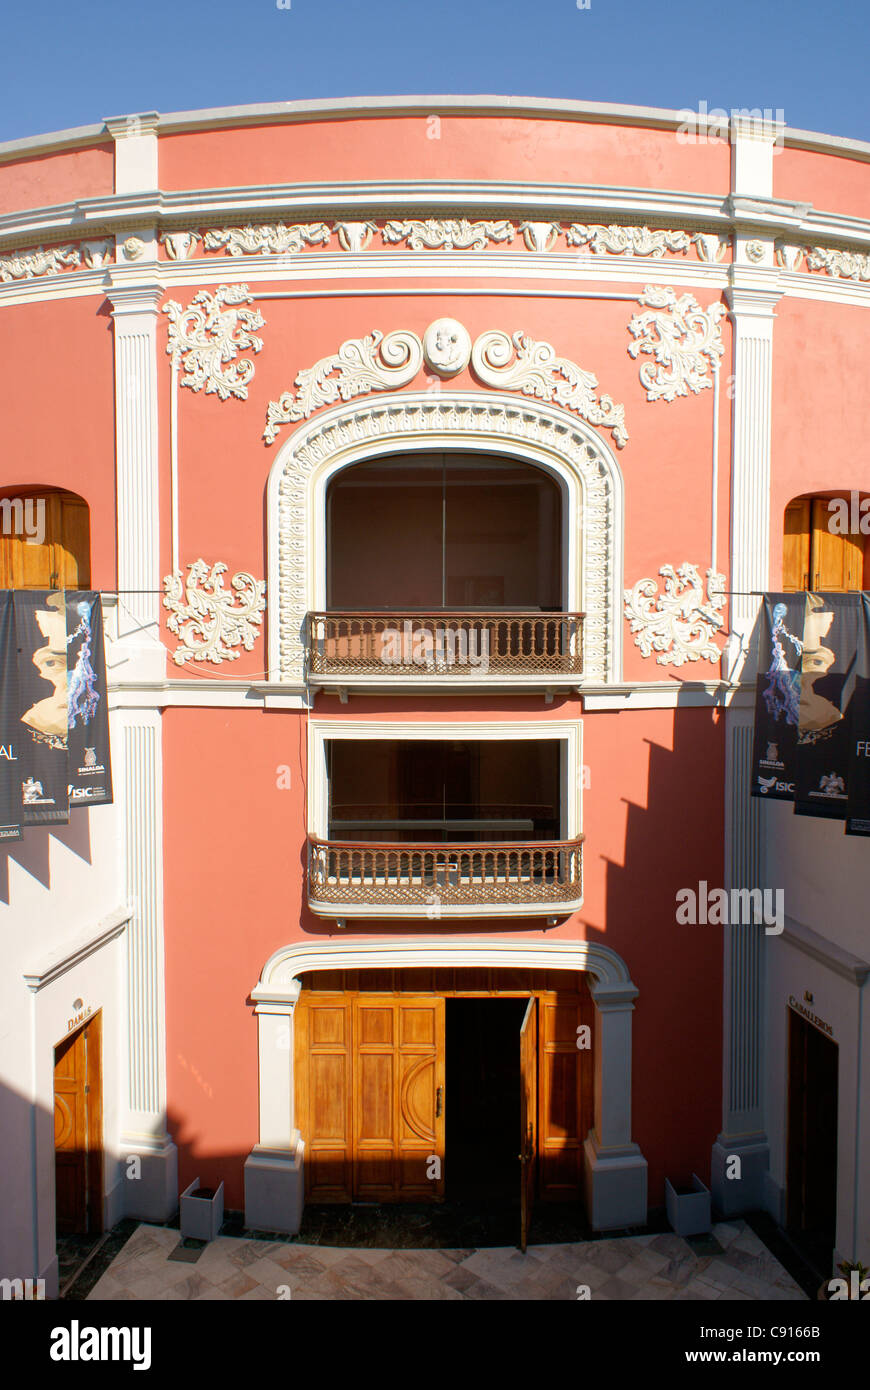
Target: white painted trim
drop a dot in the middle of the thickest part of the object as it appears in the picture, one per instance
(50, 969)
(486, 421)
(507, 730)
(280, 975)
(372, 107)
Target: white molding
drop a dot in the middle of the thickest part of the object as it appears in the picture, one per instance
(371, 107)
(135, 139)
(279, 979)
(468, 420)
(107, 929)
(833, 957)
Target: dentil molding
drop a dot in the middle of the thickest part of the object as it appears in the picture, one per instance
(205, 338)
(681, 622)
(684, 339)
(384, 363)
(209, 622)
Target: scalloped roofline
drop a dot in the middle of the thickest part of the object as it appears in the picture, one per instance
(339, 108)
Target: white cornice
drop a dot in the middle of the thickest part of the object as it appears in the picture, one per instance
(374, 107)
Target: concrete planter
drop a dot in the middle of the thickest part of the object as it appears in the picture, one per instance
(201, 1216)
(688, 1211)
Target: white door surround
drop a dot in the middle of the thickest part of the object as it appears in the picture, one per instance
(616, 1171)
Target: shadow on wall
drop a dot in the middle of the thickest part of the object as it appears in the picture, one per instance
(675, 841)
(32, 851)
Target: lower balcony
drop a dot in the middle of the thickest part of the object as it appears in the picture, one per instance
(434, 881)
(443, 646)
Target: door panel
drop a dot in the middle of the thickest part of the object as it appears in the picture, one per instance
(78, 1131)
(323, 1095)
(528, 1116)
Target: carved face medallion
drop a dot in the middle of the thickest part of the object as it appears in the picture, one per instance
(446, 347)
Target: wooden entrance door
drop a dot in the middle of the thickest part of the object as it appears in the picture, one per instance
(78, 1131)
(812, 1140)
(528, 1116)
(370, 1095)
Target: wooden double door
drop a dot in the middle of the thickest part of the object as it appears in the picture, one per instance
(380, 1121)
(78, 1130)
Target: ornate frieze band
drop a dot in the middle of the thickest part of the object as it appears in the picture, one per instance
(379, 363)
(208, 621)
(681, 622)
(684, 339)
(55, 260)
(828, 260)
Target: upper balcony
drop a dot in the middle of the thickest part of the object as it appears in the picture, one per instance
(445, 569)
(441, 827)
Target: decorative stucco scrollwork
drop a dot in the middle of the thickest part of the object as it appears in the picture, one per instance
(681, 622)
(208, 621)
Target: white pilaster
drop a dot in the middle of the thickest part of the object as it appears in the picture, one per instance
(135, 138)
(154, 1193)
(135, 315)
(741, 1155)
(616, 1171)
(274, 1179)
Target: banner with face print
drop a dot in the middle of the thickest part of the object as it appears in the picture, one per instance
(89, 761)
(777, 697)
(827, 683)
(40, 627)
(858, 805)
(10, 743)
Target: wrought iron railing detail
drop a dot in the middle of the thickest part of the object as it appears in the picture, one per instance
(457, 644)
(344, 873)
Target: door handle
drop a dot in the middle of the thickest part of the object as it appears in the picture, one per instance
(439, 1102)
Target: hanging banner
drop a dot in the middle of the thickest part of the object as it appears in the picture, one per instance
(777, 697)
(10, 743)
(89, 762)
(827, 680)
(858, 805)
(40, 626)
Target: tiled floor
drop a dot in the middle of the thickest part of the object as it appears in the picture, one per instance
(634, 1267)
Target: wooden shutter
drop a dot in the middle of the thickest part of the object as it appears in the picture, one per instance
(796, 545)
(323, 1095)
(837, 560)
(565, 1085)
(62, 559)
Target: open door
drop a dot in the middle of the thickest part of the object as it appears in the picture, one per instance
(528, 1116)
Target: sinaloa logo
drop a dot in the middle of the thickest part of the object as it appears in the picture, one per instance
(75, 1343)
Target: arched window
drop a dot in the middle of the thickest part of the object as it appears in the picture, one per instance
(45, 539)
(823, 543)
(444, 530)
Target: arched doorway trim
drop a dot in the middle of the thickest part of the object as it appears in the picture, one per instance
(616, 1171)
(544, 435)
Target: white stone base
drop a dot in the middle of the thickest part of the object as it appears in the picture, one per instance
(154, 1195)
(275, 1189)
(731, 1196)
(616, 1187)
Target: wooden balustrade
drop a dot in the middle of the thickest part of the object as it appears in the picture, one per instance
(373, 874)
(457, 644)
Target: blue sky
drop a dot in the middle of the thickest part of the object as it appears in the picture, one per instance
(70, 64)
